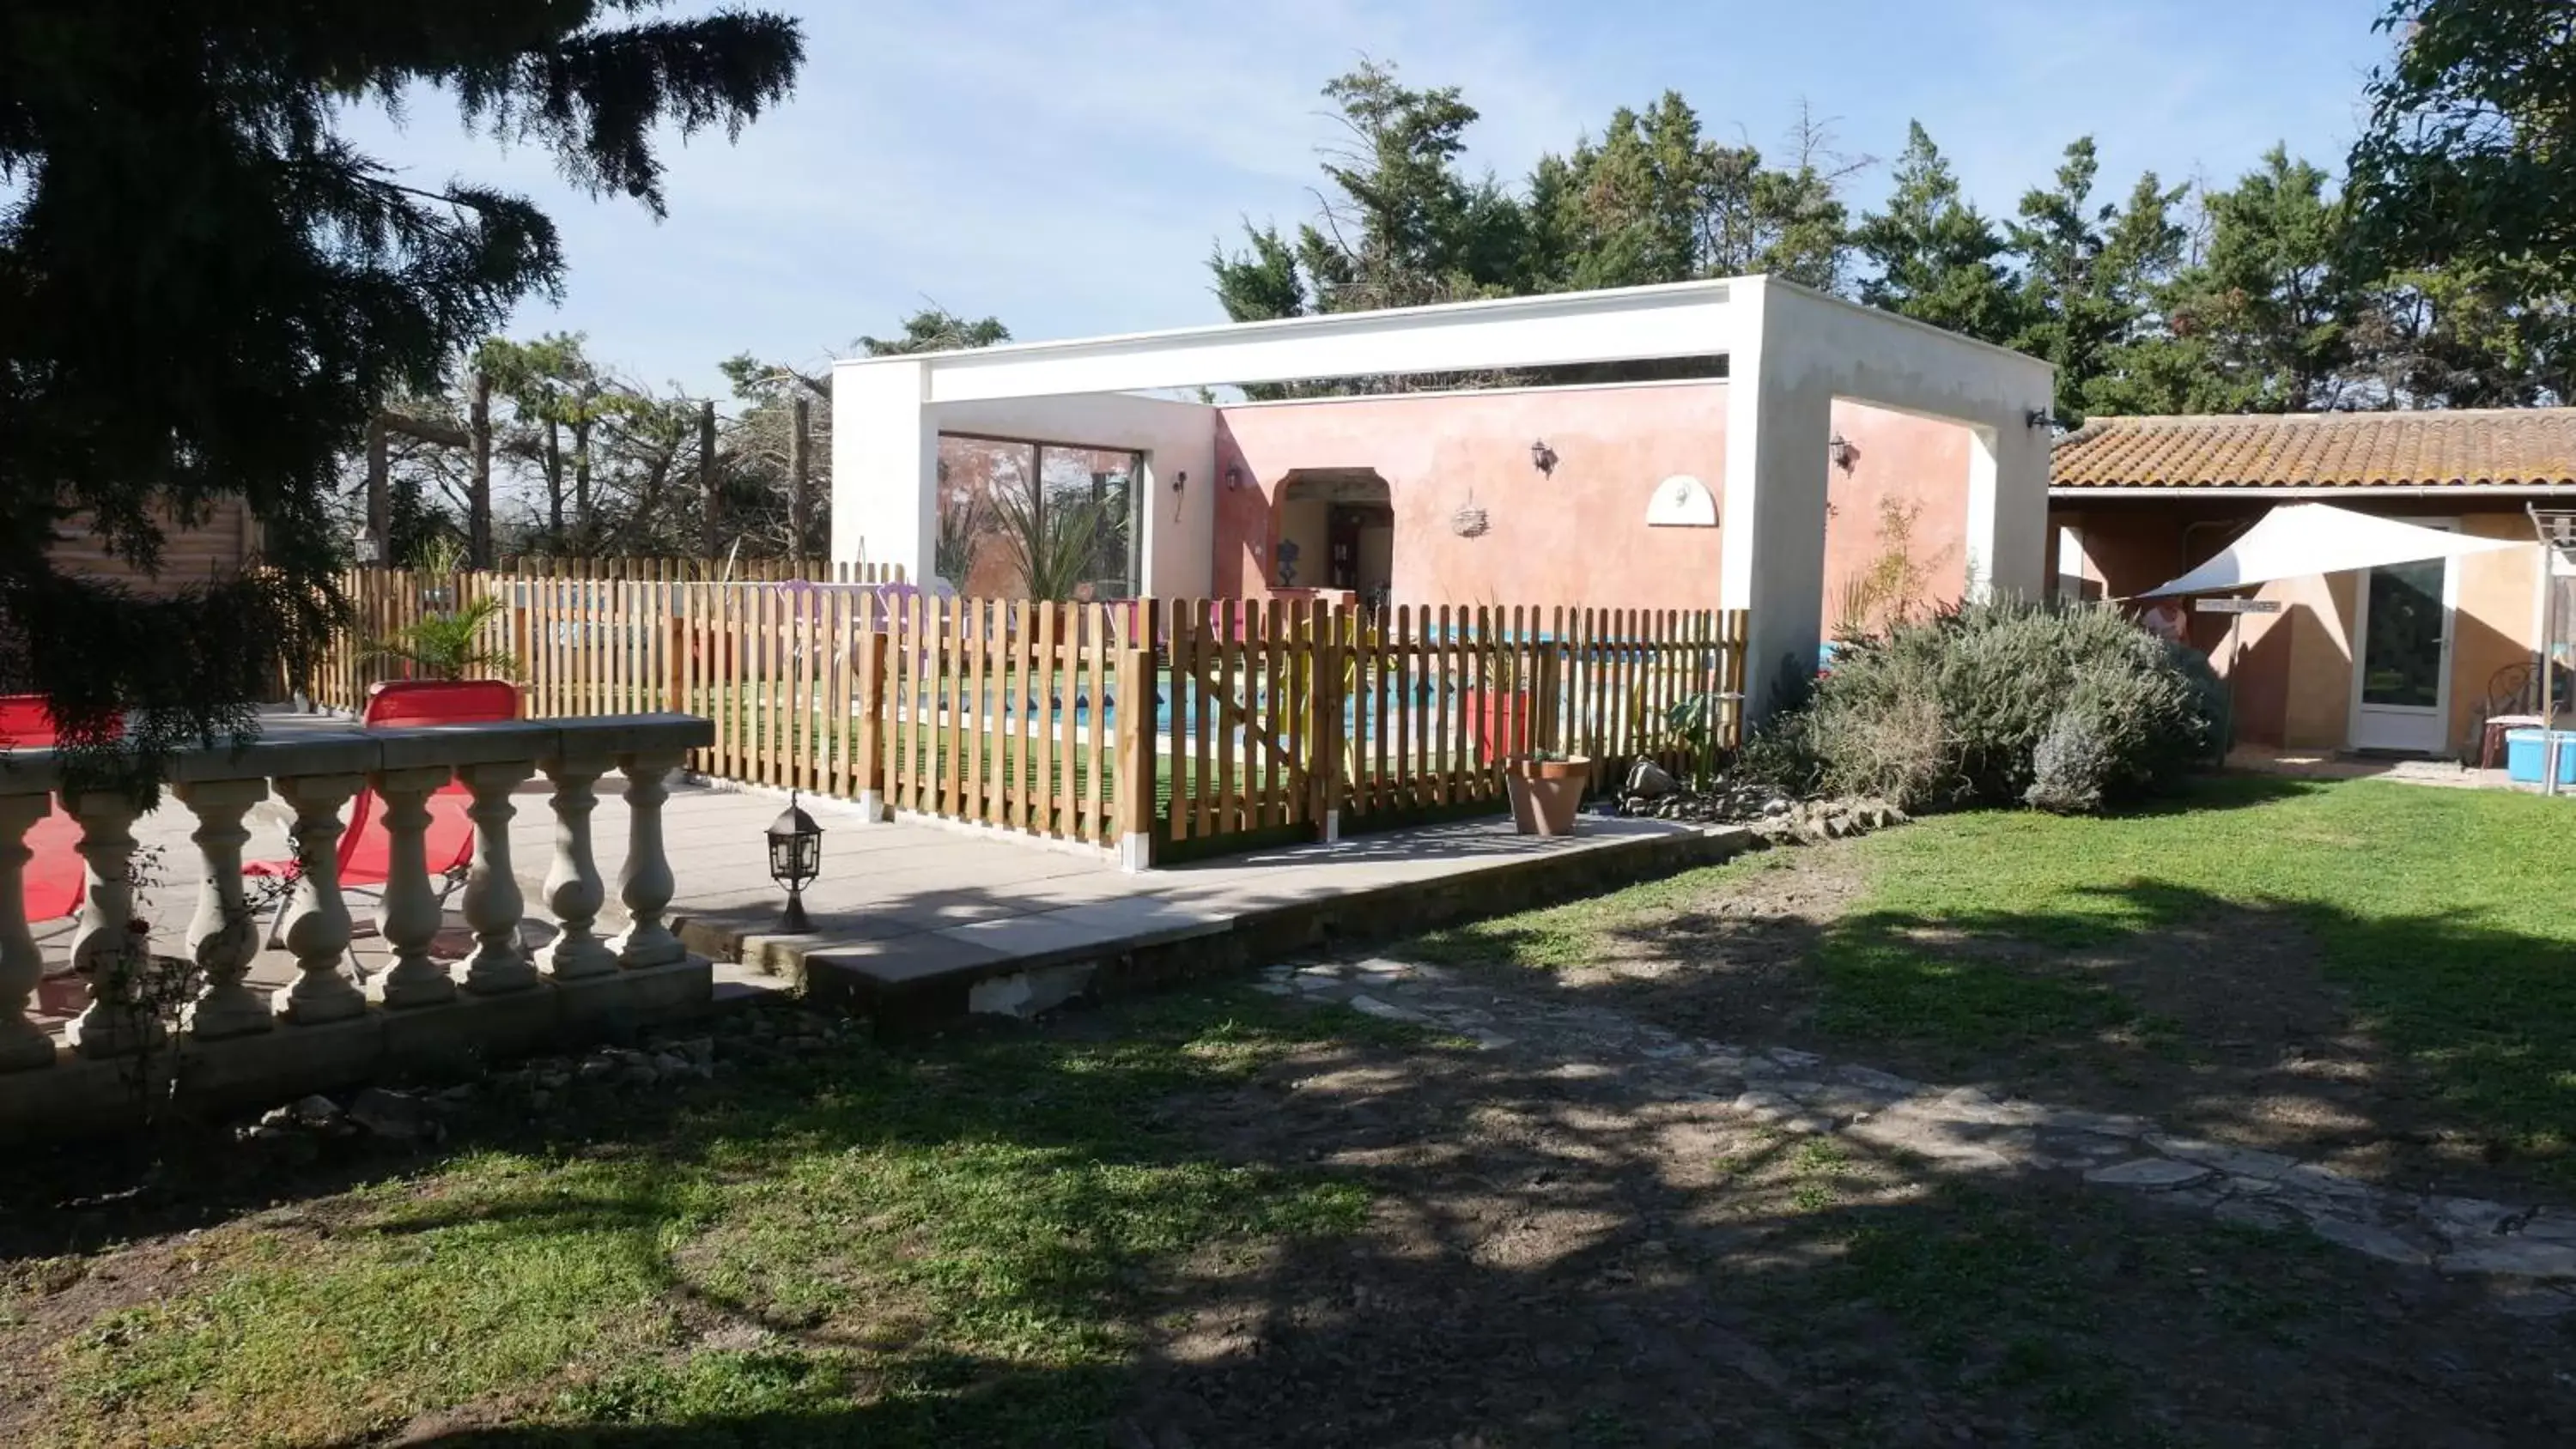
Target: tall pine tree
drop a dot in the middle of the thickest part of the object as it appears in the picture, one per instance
(206, 290)
(1933, 256)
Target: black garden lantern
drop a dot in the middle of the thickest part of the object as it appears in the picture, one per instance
(795, 858)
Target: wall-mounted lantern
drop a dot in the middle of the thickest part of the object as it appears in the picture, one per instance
(2042, 418)
(1543, 458)
(795, 859)
(1180, 477)
(1233, 479)
(1840, 449)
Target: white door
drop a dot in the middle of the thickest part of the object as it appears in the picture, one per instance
(2402, 667)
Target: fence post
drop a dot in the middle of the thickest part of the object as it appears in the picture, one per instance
(1324, 720)
(1135, 745)
(675, 659)
(522, 642)
(867, 765)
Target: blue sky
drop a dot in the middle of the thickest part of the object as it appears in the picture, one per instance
(1067, 166)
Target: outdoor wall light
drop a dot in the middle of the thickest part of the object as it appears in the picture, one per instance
(1842, 452)
(1233, 479)
(795, 858)
(2042, 418)
(1543, 457)
(1180, 476)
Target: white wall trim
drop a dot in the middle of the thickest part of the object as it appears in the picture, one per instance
(1248, 404)
(1618, 299)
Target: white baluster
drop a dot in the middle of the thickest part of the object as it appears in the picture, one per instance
(573, 889)
(493, 903)
(407, 915)
(22, 1044)
(223, 935)
(317, 923)
(106, 951)
(644, 881)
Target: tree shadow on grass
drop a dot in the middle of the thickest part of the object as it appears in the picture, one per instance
(1213, 1219)
(2432, 1050)
(1549, 1259)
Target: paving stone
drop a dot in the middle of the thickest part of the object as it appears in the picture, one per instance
(2149, 1173)
(2235, 1161)
(2471, 1217)
(1878, 1081)
(1273, 988)
(1368, 1005)
(2110, 1124)
(2550, 1225)
(2308, 1177)
(2369, 1239)
(2515, 1256)
(1794, 1060)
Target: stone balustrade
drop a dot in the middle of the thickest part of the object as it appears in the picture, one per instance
(419, 1014)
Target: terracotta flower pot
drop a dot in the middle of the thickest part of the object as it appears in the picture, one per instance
(1546, 793)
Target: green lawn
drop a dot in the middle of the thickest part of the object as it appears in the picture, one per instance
(952, 1239)
(1215, 1218)
(2427, 935)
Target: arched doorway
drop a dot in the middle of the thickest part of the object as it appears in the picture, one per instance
(1334, 528)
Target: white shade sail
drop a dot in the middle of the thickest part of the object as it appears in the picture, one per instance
(2299, 539)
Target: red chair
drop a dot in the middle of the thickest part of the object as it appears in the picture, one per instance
(365, 846)
(55, 876)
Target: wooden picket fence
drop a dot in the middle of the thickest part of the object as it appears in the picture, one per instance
(1288, 716)
(1170, 727)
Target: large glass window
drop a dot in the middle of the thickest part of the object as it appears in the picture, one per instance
(1035, 520)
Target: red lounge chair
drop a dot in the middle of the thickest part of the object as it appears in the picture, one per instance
(55, 875)
(365, 846)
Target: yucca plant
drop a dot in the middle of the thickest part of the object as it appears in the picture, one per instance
(1055, 543)
(447, 645)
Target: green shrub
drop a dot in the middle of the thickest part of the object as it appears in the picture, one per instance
(1999, 704)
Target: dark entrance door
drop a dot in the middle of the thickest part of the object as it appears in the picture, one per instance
(1342, 546)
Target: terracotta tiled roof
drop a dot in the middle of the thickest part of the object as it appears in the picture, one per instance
(2464, 449)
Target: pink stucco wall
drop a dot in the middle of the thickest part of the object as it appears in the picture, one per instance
(1578, 535)
(1919, 464)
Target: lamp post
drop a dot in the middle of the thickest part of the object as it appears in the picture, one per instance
(795, 858)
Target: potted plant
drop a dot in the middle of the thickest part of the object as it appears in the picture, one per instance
(1546, 788)
(446, 645)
